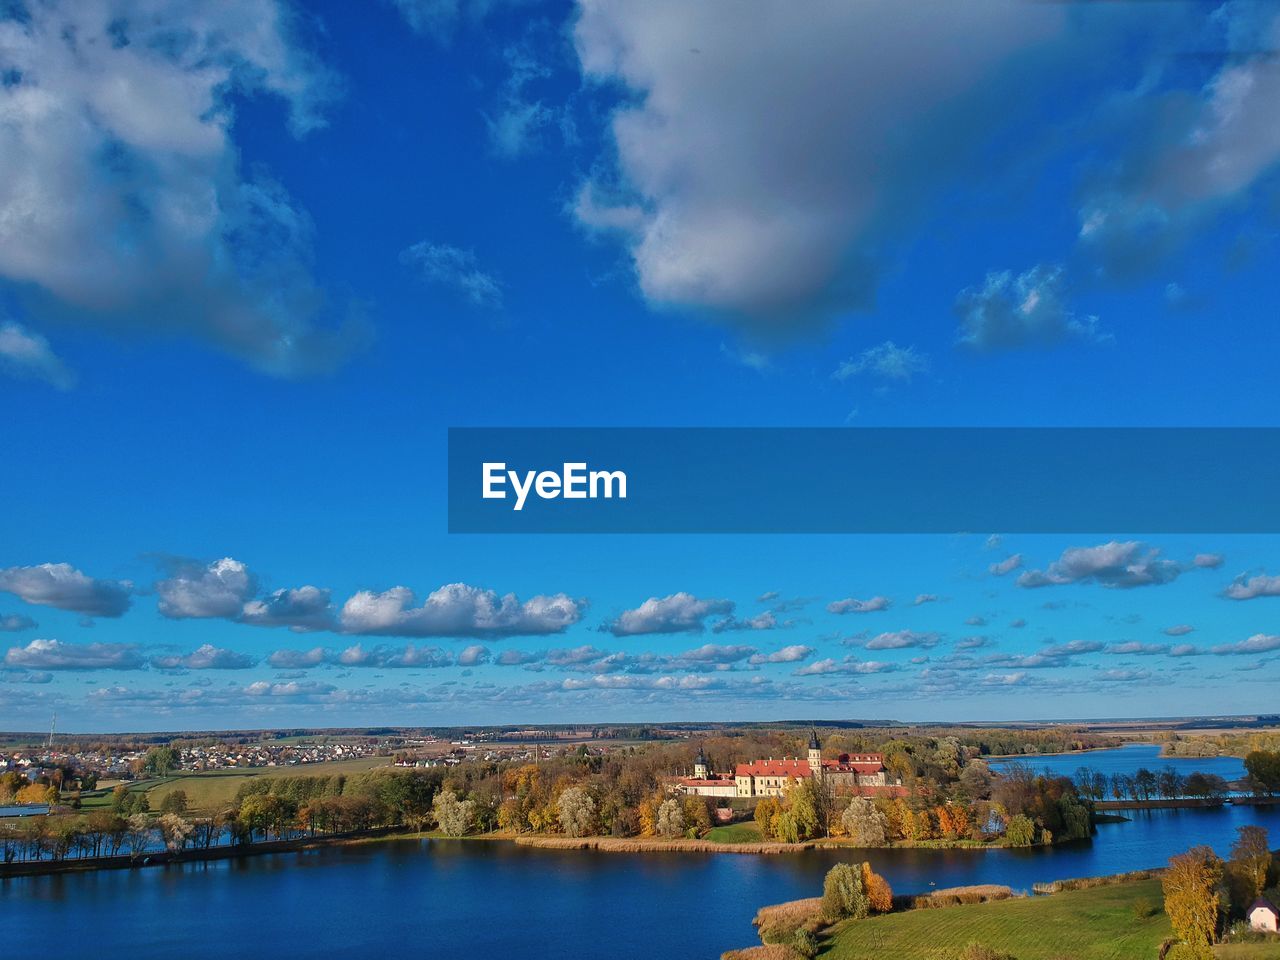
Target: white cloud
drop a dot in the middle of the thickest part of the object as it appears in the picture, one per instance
(63, 586)
(789, 654)
(761, 621)
(1258, 643)
(852, 605)
(1008, 312)
(121, 196)
(13, 622)
(1250, 588)
(1179, 630)
(678, 613)
(1137, 648)
(1007, 565)
(300, 609)
(1209, 561)
(456, 269)
(473, 655)
(457, 610)
(219, 589)
(923, 598)
(56, 655)
(205, 657)
(752, 189)
(1113, 564)
(27, 355)
(887, 361)
(900, 639)
(849, 665)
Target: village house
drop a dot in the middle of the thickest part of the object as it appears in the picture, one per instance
(862, 773)
(1263, 916)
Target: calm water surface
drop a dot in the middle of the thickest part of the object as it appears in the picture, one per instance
(1128, 759)
(466, 899)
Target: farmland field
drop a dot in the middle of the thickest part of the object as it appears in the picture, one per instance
(210, 791)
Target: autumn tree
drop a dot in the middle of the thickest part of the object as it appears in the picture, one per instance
(879, 893)
(454, 817)
(1250, 862)
(670, 819)
(577, 812)
(1191, 898)
(865, 825)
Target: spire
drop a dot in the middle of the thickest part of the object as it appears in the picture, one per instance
(814, 744)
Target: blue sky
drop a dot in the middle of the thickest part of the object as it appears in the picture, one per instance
(256, 257)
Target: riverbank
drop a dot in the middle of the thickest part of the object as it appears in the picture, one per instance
(159, 858)
(654, 845)
(1185, 803)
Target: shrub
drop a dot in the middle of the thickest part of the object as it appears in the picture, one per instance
(879, 893)
(806, 943)
(973, 951)
(1144, 908)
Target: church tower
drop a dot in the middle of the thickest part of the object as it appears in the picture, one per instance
(815, 753)
(701, 768)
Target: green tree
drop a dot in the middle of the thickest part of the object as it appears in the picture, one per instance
(1263, 767)
(160, 760)
(175, 802)
(1020, 832)
(866, 825)
(843, 893)
(1250, 862)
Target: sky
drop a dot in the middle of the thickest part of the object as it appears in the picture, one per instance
(256, 257)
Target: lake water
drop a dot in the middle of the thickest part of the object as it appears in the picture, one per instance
(1127, 759)
(466, 899)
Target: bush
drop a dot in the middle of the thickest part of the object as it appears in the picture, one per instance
(806, 943)
(781, 922)
(1144, 908)
(973, 951)
(879, 893)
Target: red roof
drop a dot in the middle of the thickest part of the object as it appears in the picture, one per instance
(774, 768)
(710, 782)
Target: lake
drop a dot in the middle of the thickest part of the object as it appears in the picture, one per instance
(471, 898)
(1127, 759)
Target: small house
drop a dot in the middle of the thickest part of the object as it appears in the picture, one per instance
(1263, 915)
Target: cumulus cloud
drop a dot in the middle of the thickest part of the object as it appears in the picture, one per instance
(717, 653)
(63, 586)
(852, 605)
(900, 639)
(56, 655)
(454, 269)
(1137, 648)
(850, 665)
(1193, 152)
(1209, 561)
(216, 590)
(923, 598)
(1250, 588)
(794, 653)
(745, 188)
(26, 355)
(761, 621)
(300, 609)
(457, 610)
(123, 203)
(1007, 312)
(205, 657)
(1007, 565)
(1258, 643)
(1179, 630)
(474, 655)
(1114, 564)
(678, 613)
(887, 362)
(13, 622)
(298, 659)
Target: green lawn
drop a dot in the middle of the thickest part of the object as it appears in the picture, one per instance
(1096, 924)
(735, 833)
(214, 790)
(1247, 951)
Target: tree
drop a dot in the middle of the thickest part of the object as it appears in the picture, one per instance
(453, 816)
(1191, 898)
(577, 812)
(879, 893)
(1250, 861)
(175, 831)
(175, 802)
(843, 894)
(1263, 767)
(160, 760)
(1020, 832)
(137, 833)
(670, 820)
(866, 826)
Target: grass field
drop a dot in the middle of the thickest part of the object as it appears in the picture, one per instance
(211, 791)
(1095, 924)
(735, 833)
(1247, 951)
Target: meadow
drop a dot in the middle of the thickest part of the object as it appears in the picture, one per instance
(1101, 923)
